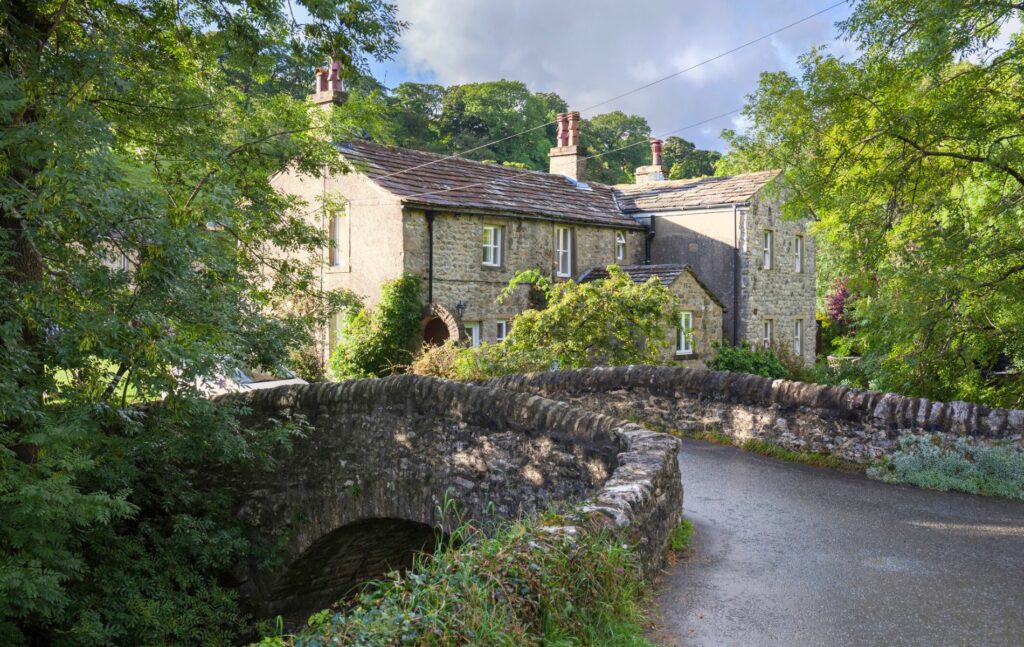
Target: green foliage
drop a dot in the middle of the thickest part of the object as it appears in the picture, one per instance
(910, 157)
(526, 585)
(608, 322)
(929, 461)
(609, 135)
(462, 117)
(745, 358)
(380, 341)
(128, 129)
(679, 539)
(682, 159)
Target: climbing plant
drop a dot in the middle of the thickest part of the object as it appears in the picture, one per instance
(381, 341)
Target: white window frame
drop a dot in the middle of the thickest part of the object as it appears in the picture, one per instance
(684, 333)
(620, 246)
(473, 332)
(492, 245)
(563, 251)
(800, 254)
(769, 248)
(798, 337)
(501, 330)
(334, 248)
(124, 262)
(768, 333)
(334, 326)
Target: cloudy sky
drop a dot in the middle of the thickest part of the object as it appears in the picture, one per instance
(590, 50)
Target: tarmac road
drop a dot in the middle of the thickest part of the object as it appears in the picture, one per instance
(786, 554)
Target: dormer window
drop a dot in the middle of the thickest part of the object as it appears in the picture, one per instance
(620, 246)
(492, 245)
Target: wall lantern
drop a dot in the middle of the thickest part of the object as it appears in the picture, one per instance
(460, 308)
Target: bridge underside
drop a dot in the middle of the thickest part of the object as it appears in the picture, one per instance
(334, 566)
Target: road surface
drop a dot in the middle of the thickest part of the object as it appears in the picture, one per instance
(786, 554)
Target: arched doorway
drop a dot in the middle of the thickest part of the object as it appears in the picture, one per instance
(439, 326)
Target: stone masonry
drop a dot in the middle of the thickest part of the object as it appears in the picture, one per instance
(856, 426)
(781, 293)
(459, 272)
(385, 465)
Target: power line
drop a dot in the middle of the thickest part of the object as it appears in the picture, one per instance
(628, 93)
(499, 180)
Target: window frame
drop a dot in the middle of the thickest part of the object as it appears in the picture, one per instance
(798, 337)
(334, 227)
(501, 330)
(767, 333)
(684, 334)
(620, 246)
(496, 246)
(799, 254)
(560, 233)
(768, 253)
(472, 329)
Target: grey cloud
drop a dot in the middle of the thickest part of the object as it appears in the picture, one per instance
(590, 51)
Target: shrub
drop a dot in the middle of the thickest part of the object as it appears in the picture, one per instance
(525, 585)
(745, 358)
(380, 341)
(608, 322)
(927, 461)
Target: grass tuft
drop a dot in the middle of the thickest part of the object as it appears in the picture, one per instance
(679, 540)
(523, 585)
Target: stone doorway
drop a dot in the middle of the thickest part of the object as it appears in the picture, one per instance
(439, 326)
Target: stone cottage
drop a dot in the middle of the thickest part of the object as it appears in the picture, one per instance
(700, 316)
(468, 227)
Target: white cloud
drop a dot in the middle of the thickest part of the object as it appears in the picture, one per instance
(588, 51)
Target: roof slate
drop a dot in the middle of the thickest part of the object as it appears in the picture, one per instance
(687, 194)
(666, 274)
(443, 182)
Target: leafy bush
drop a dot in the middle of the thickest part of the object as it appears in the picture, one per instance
(608, 322)
(523, 586)
(380, 341)
(926, 461)
(745, 358)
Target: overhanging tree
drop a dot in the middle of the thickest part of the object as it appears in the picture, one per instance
(911, 159)
(150, 132)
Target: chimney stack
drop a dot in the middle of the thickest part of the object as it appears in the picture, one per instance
(567, 156)
(654, 172)
(328, 88)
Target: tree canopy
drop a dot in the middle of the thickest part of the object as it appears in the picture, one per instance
(910, 157)
(137, 220)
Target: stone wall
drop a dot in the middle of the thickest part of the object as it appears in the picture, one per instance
(384, 463)
(780, 293)
(857, 426)
(459, 272)
(707, 321)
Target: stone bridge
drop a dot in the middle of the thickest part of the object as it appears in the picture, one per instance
(384, 466)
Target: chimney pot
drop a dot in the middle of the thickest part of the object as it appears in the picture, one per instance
(328, 88)
(566, 157)
(655, 152)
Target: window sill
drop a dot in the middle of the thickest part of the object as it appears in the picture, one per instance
(337, 269)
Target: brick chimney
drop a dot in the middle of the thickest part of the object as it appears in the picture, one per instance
(567, 156)
(328, 88)
(654, 172)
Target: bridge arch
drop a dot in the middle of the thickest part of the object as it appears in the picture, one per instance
(385, 466)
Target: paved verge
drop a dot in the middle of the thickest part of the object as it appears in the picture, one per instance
(786, 554)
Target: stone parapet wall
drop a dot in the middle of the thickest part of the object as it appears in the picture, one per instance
(857, 426)
(407, 448)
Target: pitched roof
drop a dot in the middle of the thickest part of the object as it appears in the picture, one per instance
(666, 273)
(443, 182)
(687, 194)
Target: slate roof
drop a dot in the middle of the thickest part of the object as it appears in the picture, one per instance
(666, 273)
(443, 182)
(670, 195)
